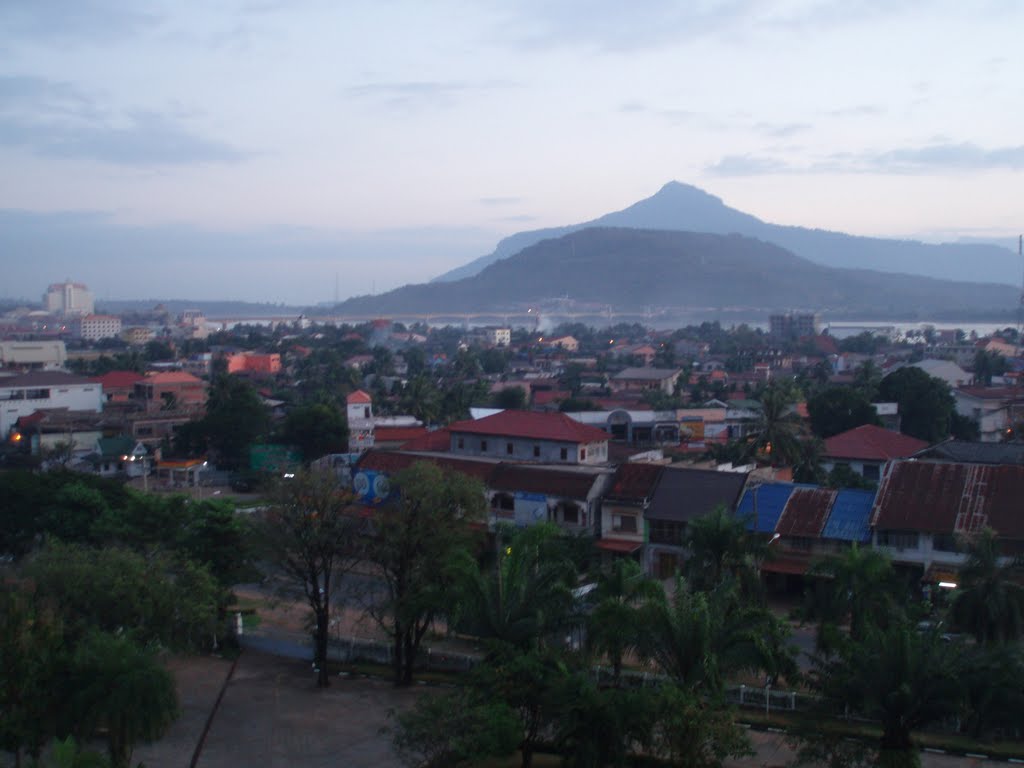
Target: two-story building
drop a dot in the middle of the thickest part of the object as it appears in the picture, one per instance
(549, 438)
(46, 390)
(640, 380)
(170, 391)
(866, 449)
(624, 507)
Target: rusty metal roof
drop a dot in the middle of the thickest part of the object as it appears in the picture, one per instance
(806, 512)
(634, 482)
(950, 498)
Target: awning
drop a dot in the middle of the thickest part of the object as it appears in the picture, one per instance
(618, 545)
(788, 565)
(944, 573)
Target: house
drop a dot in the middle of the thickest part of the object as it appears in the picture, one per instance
(525, 495)
(498, 337)
(46, 390)
(551, 438)
(974, 453)
(948, 371)
(567, 343)
(171, 391)
(680, 496)
(33, 355)
(120, 456)
(254, 364)
(96, 327)
(635, 427)
(118, 386)
(622, 512)
(866, 449)
(923, 507)
(639, 380)
(359, 412)
(995, 409)
(804, 523)
(48, 430)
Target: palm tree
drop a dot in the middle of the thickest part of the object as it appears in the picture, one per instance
(989, 601)
(897, 675)
(525, 596)
(699, 638)
(859, 586)
(613, 627)
(777, 429)
(720, 547)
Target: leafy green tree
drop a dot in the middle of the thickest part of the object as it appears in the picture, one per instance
(898, 675)
(316, 430)
(418, 540)
(421, 398)
(613, 627)
(235, 419)
(838, 409)
(510, 398)
(310, 537)
(31, 668)
(695, 731)
(925, 403)
(721, 547)
(155, 598)
(987, 365)
(122, 688)
(993, 691)
(456, 729)
(989, 600)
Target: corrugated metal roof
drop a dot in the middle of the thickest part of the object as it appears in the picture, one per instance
(951, 498)
(634, 481)
(848, 520)
(551, 482)
(806, 512)
(771, 500)
(684, 494)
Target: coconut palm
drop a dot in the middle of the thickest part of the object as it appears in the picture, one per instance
(859, 587)
(721, 547)
(897, 675)
(989, 601)
(776, 432)
(525, 596)
(613, 626)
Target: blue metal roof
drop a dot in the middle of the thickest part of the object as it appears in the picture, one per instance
(771, 500)
(849, 518)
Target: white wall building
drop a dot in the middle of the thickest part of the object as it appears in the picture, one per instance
(45, 355)
(68, 298)
(96, 327)
(24, 395)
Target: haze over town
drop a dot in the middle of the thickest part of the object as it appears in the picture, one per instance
(187, 151)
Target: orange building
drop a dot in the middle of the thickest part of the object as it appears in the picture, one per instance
(175, 390)
(254, 363)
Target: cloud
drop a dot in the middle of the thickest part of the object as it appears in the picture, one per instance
(500, 200)
(669, 114)
(611, 25)
(422, 94)
(746, 165)
(91, 22)
(964, 156)
(781, 130)
(58, 120)
(857, 110)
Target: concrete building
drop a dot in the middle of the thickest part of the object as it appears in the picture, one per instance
(794, 325)
(641, 380)
(499, 337)
(46, 390)
(68, 299)
(33, 355)
(551, 438)
(96, 327)
(172, 391)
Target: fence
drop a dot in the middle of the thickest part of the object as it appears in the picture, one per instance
(352, 650)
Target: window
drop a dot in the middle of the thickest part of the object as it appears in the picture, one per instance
(898, 539)
(536, 451)
(624, 523)
(583, 454)
(460, 443)
(570, 514)
(483, 446)
(564, 454)
(504, 502)
(509, 448)
(666, 532)
(871, 472)
(944, 542)
(366, 412)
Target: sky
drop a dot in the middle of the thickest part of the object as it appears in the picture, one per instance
(300, 150)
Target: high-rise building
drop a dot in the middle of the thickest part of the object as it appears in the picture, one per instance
(794, 325)
(68, 298)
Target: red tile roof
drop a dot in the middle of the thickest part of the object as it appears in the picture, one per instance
(546, 396)
(618, 545)
(358, 397)
(532, 426)
(438, 441)
(635, 481)
(394, 461)
(806, 512)
(172, 377)
(945, 497)
(872, 444)
(119, 379)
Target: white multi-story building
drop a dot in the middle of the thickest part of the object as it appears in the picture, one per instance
(95, 327)
(499, 337)
(68, 298)
(42, 390)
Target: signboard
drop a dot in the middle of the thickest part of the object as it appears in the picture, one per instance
(530, 508)
(371, 487)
